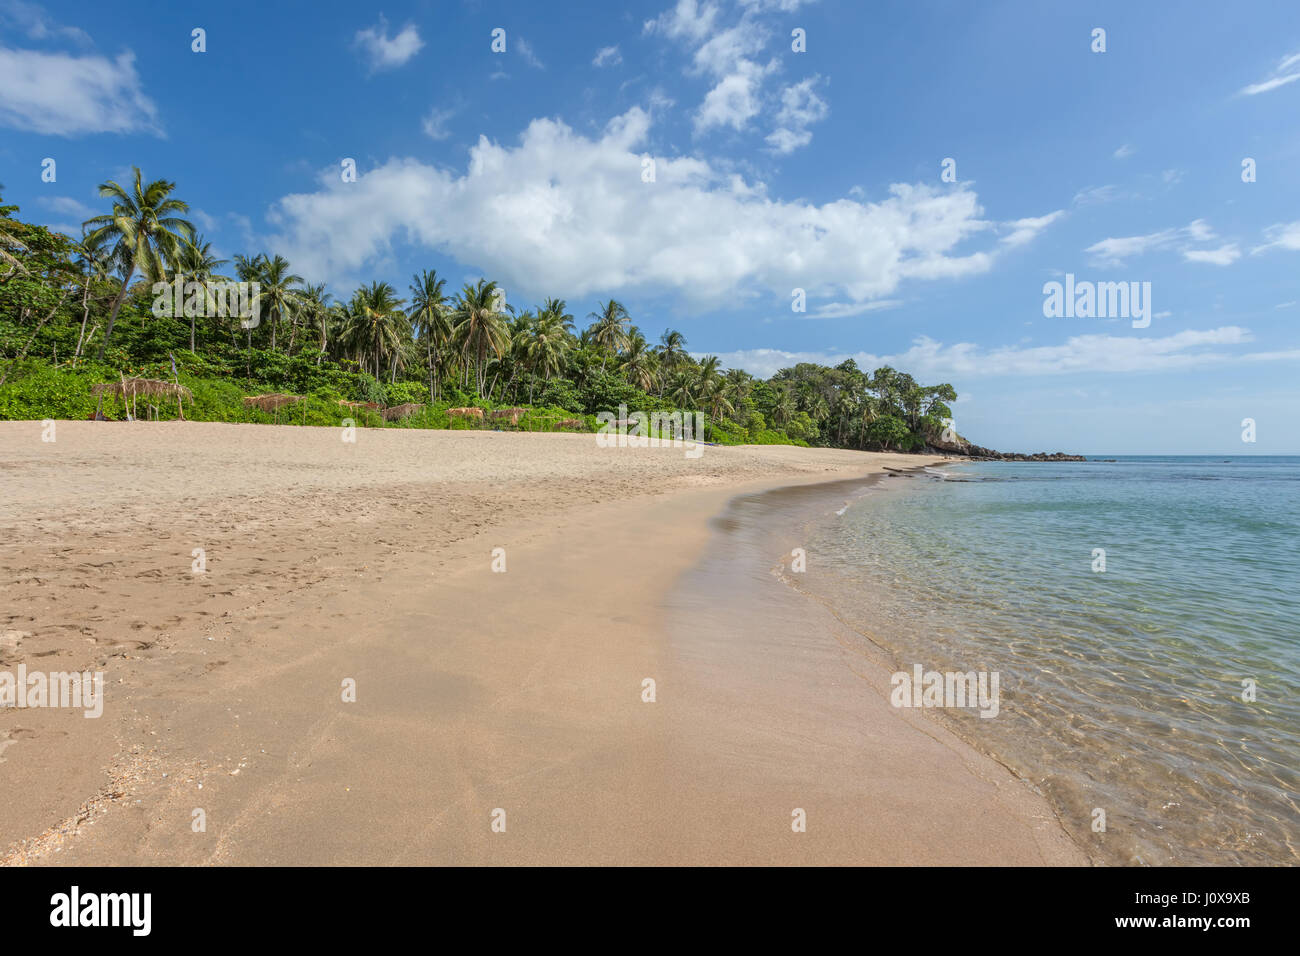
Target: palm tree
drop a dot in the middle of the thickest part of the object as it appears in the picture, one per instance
(672, 349)
(248, 270)
(314, 307)
(638, 362)
(145, 233)
(610, 333)
(548, 341)
(279, 291)
(682, 390)
(480, 329)
(194, 260)
(376, 325)
(428, 312)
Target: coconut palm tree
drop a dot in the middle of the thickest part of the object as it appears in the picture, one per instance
(547, 342)
(279, 290)
(376, 327)
(672, 349)
(430, 315)
(315, 309)
(144, 232)
(610, 331)
(195, 262)
(480, 329)
(638, 361)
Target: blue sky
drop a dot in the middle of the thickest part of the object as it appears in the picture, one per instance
(773, 170)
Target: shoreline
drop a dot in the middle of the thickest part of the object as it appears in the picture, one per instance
(475, 691)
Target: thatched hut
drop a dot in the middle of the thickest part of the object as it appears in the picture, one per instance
(369, 406)
(275, 401)
(474, 413)
(131, 389)
(567, 423)
(511, 415)
(401, 411)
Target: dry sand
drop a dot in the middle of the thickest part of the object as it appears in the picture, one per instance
(476, 691)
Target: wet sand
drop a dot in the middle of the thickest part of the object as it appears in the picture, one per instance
(476, 691)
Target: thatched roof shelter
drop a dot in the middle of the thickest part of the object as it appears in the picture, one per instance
(511, 414)
(401, 411)
(571, 423)
(141, 388)
(469, 412)
(272, 402)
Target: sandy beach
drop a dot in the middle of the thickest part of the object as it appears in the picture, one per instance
(481, 696)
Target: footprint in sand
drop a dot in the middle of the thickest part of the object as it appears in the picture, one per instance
(10, 737)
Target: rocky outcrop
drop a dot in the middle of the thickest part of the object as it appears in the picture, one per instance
(967, 450)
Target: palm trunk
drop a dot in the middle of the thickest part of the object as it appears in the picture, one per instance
(112, 315)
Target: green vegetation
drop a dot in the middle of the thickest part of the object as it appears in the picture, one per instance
(75, 313)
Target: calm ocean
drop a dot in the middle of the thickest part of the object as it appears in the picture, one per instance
(1121, 690)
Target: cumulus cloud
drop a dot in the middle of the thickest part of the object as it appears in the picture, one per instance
(383, 52)
(930, 360)
(734, 100)
(61, 94)
(573, 213)
(800, 108)
(688, 20)
(731, 57)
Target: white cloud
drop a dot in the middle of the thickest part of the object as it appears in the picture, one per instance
(1095, 195)
(525, 50)
(929, 360)
(607, 56)
(67, 206)
(1125, 151)
(387, 53)
(1284, 235)
(1225, 255)
(33, 21)
(1026, 230)
(435, 124)
(689, 20)
(568, 212)
(1114, 251)
(60, 94)
(734, 100)
(1287, 71)
(800, 108)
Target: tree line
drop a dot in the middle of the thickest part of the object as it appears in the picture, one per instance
(92, 298)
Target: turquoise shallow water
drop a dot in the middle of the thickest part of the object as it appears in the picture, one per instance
(1121, 690)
